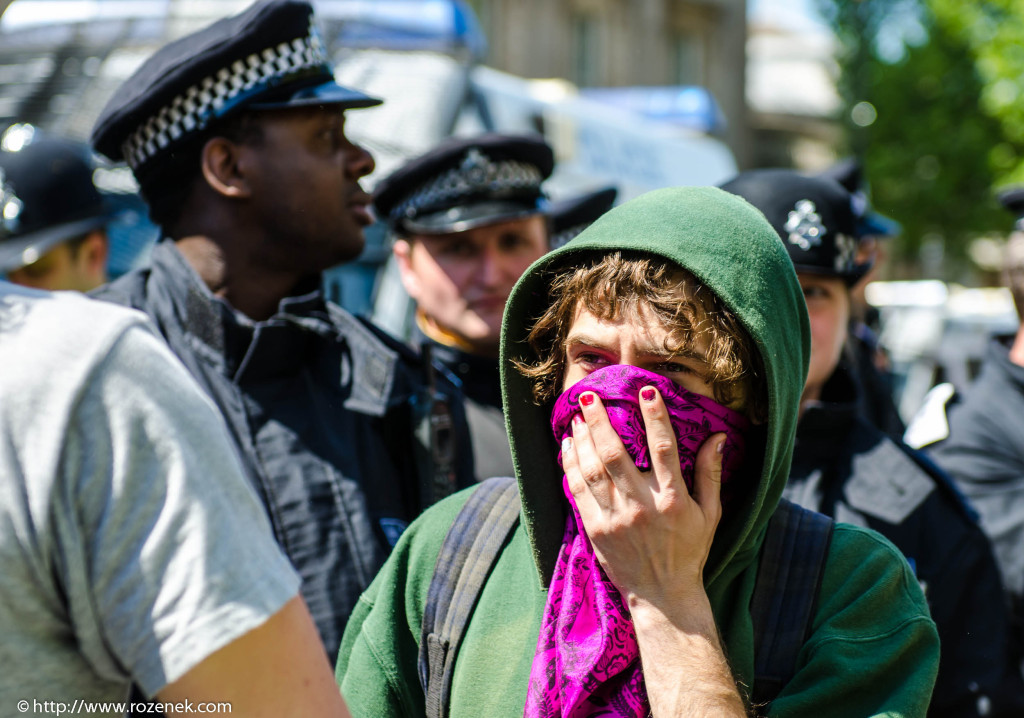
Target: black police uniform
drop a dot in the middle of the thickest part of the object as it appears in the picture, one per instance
(464, 183)
(321, 406)
(847, 468)
(479, 381)
(985, 455)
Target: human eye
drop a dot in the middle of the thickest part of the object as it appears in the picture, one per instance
(815, 292)
(461, 249)
(512, 241)
(675, 368)
(332, 134)
(587, 358)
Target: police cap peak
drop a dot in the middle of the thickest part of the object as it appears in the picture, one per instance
(466, 182)
(814, 216)
(266, 57)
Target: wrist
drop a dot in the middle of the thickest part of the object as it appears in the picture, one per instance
(689, 614)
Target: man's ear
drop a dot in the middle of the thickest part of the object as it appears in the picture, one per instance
(221, 168)
(402, 249)
(96, 249)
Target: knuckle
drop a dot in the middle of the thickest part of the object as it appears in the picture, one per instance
(577, 484)
(610, 454)
(663, 446)
(592, 474)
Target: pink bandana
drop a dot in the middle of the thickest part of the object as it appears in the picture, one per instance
(587, 661)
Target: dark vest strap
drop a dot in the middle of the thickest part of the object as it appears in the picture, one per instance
(467, 554)
(435, 445)
(785, 596)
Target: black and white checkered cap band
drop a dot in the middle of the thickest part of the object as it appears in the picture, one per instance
(477, 175)
(192, 109)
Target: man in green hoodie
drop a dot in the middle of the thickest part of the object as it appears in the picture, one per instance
(663, 578)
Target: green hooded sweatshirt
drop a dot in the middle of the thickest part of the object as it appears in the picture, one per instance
(873, 649)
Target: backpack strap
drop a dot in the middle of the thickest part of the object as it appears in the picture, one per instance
(785, 596)
(470, 548)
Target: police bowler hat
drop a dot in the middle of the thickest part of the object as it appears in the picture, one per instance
(814, 216)
(47, 196)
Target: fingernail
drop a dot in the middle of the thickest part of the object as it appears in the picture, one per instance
(647, 393)
(566, 445)
(578, 419)
(721, 446)
(587, 399)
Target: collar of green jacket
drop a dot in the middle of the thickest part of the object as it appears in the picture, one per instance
(729, 246)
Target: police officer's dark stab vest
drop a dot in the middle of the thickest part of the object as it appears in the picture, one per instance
(847, 468)
(345, 435)
(479, 383)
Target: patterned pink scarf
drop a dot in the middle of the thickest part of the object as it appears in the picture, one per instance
(587, 661)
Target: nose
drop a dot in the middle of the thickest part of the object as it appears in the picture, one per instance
(491, 266)
(360, 162)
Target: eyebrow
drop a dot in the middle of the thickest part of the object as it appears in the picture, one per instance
(647, 352)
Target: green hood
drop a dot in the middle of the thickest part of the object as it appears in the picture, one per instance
(729, 246)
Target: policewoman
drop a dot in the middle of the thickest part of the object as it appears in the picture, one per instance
(236, 135)
(846, 467)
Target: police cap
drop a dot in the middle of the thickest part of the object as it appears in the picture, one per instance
(269, 56)
(849, 173)
(1013, 200)
(465, 183)
(813, 215)
(569, 217)
(47, 196)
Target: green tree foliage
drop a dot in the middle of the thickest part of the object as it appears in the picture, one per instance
(993, 30)
(933, 153)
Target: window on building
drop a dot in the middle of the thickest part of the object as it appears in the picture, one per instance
(688, 65)
(586, 51)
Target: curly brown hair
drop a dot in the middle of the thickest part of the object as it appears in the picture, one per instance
(617, 284)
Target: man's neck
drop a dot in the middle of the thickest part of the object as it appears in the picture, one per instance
(251, 289)
(432, 330)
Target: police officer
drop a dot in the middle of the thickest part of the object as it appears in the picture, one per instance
(52, 217)
(847, 468)
(236, 135)
(868, 360)
(979, 439)
(568, 217)
(468, 218)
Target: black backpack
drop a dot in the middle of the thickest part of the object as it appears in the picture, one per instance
(782, 607)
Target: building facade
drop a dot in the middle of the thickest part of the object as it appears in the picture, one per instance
(615, 43)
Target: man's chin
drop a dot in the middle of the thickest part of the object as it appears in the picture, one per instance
(349, 250)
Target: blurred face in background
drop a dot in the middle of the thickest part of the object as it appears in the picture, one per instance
(461, 281)
(79, 265)
(828, 308)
